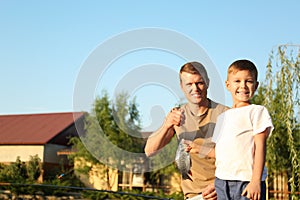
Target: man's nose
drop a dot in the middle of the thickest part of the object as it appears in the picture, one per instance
(195, 86)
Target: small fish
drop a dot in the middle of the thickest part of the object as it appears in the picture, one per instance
(183, 160)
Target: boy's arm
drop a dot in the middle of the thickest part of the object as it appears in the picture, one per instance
(253, 189)
(212, 153)
(203, 151)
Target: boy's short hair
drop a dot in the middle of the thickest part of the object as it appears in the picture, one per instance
(240, 65)
(195, 68)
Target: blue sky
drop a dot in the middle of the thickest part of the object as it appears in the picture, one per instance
(44, 46)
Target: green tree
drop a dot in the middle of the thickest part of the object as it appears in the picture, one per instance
(34, 168)
(163, 166)
(128, 134)
(20, 172)
(112, 130)
(15, 172)
(280, 94)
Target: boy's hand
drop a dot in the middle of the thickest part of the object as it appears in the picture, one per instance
(202, 150)
(252, 190)
(191, 146)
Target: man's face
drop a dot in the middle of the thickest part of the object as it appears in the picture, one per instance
(194, 88)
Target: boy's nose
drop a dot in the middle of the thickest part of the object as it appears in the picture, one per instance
(243, 84)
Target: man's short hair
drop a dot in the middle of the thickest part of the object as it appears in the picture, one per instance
(195, 68)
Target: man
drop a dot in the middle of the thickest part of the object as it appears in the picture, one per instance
(193, 121)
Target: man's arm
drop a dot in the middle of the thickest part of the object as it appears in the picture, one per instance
(209, 192)
(253, 189)
(164, 134)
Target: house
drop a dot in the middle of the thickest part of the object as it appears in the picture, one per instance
(44, 135)
(47, 136)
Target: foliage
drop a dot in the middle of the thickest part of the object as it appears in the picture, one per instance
(113, 126)
(23, 175)
(15, 172)
(131, 195)
(34, 168)
(161, 165)
(127, 119)
(21, 172)
(112, 130)
(280, 94)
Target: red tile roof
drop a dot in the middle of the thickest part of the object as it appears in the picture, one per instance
(34, 128)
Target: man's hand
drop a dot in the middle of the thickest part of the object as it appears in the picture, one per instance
(209, 193)
(175, 117)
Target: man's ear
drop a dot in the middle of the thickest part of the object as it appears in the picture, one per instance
(207, 84)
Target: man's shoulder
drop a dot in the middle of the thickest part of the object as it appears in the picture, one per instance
(214, 106)
(218, 106)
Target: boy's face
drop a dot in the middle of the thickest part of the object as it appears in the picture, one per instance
(242, 86)
(194, 88)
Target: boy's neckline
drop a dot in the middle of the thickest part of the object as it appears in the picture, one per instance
(241, 104)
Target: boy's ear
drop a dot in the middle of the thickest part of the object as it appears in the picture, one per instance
(227, 85)
(256, 85)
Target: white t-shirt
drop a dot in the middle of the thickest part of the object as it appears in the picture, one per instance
(234, 138)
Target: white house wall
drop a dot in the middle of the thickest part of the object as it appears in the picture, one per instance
(47, 153)
(9, 153)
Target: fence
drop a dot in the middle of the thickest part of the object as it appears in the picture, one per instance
(68, 191)
(278, 187)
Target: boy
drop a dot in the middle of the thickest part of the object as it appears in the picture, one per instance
(240, 136)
